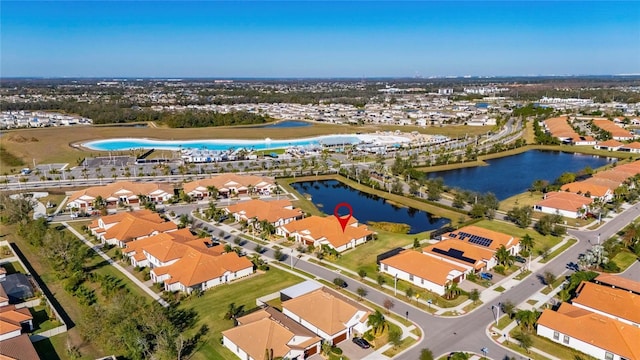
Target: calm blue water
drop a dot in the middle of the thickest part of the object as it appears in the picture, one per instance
(326, 194)
(133, 143)
(284, 124)
(514, 174)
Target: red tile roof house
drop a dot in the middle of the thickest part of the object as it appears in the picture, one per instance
(424, 271)
(268, 334)
(121, 228)
(200, 269)
(610, 145)
(318, 231)
(14, 321)
(598, 323)
(123, 191)
(230, 184)
(328, 314)
(277, 212)
(184, 262)
(472, 247)
(564, 203)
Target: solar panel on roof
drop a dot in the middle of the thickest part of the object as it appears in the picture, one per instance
(454, 253)
(482, 241)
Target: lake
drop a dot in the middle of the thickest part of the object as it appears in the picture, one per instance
(514, 174)
(326, 194)
(284, 124)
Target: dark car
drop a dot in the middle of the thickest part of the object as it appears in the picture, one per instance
(520, 259)
(361, 342)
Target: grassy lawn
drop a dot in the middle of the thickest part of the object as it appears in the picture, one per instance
(522, 275)
(41, 321)
(554, 285)
(78, 224)
(499, 289)
(364, 256)
(540, 242)
(532, 302)
(14, 268)
(624, 259)
(213, 304)
(548, 346)
(394, 350)
(527, 198)
(559, 250)
(504, 321)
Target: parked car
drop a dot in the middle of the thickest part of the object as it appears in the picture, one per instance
(486, 276)
(361, 342)
(573, 266)
(520, 259)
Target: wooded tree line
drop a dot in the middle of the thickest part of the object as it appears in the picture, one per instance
(114, 319)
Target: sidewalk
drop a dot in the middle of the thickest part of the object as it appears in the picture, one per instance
(135, 280)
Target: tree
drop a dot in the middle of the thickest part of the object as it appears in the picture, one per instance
(527, 319)
(381, 280)
(521, 216)
(526, 341)
(549, 278)
(426, 354)
(409, 292)
(508, 307)
(395, 337)
(362, 292)
(362, 273)
(259, 249)
(278, 255)
(527, 243)
(460, 356)
(504, 257)
(377, 322)
(452, 290)
(474, 295)
(388, 304)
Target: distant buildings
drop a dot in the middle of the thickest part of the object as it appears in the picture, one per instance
(24, 119)
(121, 192)
(276, 212)
(229, 184)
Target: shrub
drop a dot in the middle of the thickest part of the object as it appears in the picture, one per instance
(336, 350)
(499, 269)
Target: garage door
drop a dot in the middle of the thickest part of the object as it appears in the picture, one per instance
(340, 338)
(310, 351)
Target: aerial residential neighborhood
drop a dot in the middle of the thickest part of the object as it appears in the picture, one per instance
(319, 180)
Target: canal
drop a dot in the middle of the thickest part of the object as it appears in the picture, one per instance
(326, 194)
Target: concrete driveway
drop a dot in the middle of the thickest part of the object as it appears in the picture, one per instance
(353, 351)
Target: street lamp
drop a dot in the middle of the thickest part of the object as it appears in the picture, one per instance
(395, 284)
(497, 307)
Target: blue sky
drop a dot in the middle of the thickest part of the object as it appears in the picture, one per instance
(317, 39)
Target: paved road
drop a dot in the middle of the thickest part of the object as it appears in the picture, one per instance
(468, 332)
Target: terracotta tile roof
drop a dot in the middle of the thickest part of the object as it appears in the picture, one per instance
(424, 266)
(142, 214)
(498, 238)
(269, 329)
(325, 310)
(564, 201)
(617, 302)
(3, 294)
(475, 256)
(603, 181)
(229, 180)
(18, 348)
(610, 143)
(583, 188)
(196, 267)
(132, 226)
(619, 282)
(594, 329)
(560, 128)
(613, 128)
(270, 211)
(328, 228)
(12, 315)
(121, 188)
(633, 145)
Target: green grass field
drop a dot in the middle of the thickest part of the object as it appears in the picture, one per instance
(624, 259)
(213, 304)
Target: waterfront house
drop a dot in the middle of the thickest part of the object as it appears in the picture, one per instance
(276, 212)
(318, 231)
(564, 203)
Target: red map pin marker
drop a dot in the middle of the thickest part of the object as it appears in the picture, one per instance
(343, 220)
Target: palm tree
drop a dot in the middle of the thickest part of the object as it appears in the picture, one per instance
(377, 322)
(527, 319)
(504, 257)
(452, 290)
(525, 340)
(213, 191)
(527, 242)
